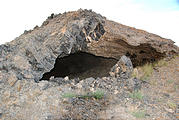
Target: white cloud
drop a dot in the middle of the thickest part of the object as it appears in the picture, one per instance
(18, 15)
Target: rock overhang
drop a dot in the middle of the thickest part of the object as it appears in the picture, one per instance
(34, 53)
(79, 31)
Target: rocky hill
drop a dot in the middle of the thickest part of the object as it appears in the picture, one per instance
(79, 65)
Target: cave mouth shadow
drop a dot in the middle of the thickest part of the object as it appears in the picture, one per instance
(81, 65)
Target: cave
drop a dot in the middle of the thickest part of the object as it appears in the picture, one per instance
(81, 65)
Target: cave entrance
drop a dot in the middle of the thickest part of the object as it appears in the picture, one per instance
(81, 65)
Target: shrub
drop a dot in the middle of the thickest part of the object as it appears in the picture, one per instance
(139, 114)
(97, 95)
(171, 105)
(69, 95)
(136, 95)
(147, 70)
(160, 63)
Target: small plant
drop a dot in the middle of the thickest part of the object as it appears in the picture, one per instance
(153, 82)
(174, 57)
(147, 70)
(170, 81)
(139, 114)
(176, 87)
(136, 95)
(135, 73)
(69, 95)
(160, 100)
(171, 105)
(160, 63)
(97, 95)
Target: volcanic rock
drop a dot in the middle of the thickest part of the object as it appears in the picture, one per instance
(77, 51)
(34, 53)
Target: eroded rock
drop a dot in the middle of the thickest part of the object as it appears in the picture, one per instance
(34, 54)
(123, 68)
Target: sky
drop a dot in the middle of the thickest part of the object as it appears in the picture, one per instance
(156, 16)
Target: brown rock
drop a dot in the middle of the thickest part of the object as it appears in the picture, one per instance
(34, 54)
(21, 63)
(116, 113)
(12, 79)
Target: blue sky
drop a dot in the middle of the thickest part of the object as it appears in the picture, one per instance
(159, 5)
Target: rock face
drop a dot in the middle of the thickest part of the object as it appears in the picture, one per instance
(79, 44)
(34, 52)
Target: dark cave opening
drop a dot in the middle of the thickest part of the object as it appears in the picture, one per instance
(81, 65)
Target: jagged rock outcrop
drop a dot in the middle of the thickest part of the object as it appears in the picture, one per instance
(122, 68)
(33, 53)
(82, 45)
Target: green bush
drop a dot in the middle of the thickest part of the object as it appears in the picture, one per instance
(139, 114)
(69, 95)
(97, 95)
(136, 95)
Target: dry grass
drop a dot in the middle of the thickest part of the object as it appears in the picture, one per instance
(171, 105)
(147, 70)
(144, 72)
(160, 63)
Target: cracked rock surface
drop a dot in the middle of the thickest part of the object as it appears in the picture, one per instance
(31, 88)
(33, 53)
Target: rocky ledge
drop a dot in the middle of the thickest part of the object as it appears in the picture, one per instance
(78, 51)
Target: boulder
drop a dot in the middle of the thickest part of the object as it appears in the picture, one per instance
(123, 68)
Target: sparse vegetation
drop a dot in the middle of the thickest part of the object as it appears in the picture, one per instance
(139, 114)
(97, 95)
(147, 70)
(160, 99)
(160, 63)
(174, 57)
(153, 82)
(135, 73)
(176, 87)
(69, 95)
(170, 81)
(171, 105)
(136, 95)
